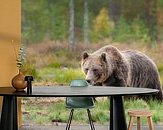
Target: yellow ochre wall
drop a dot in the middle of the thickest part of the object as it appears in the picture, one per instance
(10, 29)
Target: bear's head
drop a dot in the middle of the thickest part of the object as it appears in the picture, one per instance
(96, 67)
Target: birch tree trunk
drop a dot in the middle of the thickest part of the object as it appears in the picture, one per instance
(86, 26)
(72, 34)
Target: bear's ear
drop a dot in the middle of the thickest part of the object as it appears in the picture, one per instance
(85, 55)
(103, 57)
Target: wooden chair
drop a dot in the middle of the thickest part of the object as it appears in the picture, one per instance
(138, 114)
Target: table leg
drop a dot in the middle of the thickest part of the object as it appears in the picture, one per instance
(9, 113)
(117, 114)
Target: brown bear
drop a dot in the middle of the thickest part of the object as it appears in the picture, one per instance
(111, 67)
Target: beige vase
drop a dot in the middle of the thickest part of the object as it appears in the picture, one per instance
(18, 82)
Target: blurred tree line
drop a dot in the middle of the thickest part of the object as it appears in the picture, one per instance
(92, 20)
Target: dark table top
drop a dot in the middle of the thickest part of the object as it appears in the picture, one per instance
(65, 91)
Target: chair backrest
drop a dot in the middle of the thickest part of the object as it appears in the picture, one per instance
(79, 83)
(79, 102)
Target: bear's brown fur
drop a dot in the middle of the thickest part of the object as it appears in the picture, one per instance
(111, 67)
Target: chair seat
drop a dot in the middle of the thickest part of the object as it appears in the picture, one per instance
(80, 102)
(139, 113)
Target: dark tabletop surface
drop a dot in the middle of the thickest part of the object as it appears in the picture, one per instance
(65, 91)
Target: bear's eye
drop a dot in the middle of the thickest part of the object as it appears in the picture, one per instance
(86, 70)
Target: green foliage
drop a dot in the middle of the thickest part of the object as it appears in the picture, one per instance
(43, 20)
(160, 69)
(102, 26)
(101, 22)
(58, 21)
(156, 118)
(160, 3)
(121, 31)
(157, 109)
(29, 69)
(130, 32)
(34, 19)
(136, 105)
(57, 112)
(21, 57)
(36, 114)
(49, 20)
(101, 111)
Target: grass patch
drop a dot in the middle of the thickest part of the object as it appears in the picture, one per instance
(60, 75)
(137, 104)
(43, 113)
(160, 69)
(35, 113)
